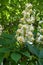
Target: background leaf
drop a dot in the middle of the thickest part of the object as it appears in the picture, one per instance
(41, 53)
(16, 57)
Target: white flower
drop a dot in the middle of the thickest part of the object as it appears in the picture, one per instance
(31, 28)
(22, 20)
(24, 12)
(1, 27)
(41, 36)
(32, 39)
(20, 25)
(29, 21)
(39, 27)
(40, 22)
(38, 34)
(38, 40)
(32, 19)
(20, 39)
(30, 42)
(41, 30)
(18, 31)
(30, 34)
(25, 26)
(30, 11)
(27, 15)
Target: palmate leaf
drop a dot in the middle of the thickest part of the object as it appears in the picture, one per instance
(41, 54)
(6, 39)
(40, 61)
(4, 50)
(26, 53)
(33, 50)
(16, 57)
(5, 42)
(7, 36)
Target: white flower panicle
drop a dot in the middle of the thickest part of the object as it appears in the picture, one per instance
(25, 29)
(1, 29)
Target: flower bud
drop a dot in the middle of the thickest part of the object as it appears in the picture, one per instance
(30, 11)
(20, 25)
(29, 5)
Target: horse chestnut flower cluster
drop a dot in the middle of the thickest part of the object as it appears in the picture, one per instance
(25, 29)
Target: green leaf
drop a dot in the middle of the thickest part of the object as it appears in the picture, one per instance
(7, 36)
(31, 63)
(16, 57)
(5, 41)
(26, 53)
(41, 54)
(23, 63)
(40, 61)
(33, 50)
(1, 57)
(4, 50)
